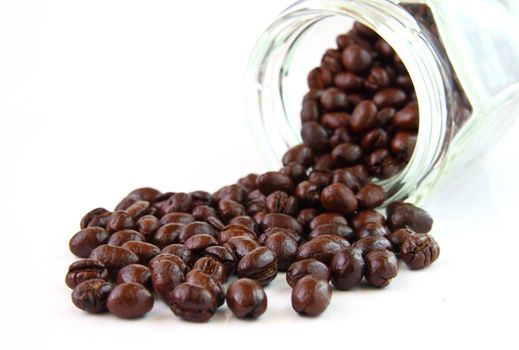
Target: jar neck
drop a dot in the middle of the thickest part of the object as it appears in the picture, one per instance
(270, 63)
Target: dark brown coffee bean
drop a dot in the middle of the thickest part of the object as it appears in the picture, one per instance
(273, 230)
(233, 192)
(378, 78)
(375, 161)
(390, 167)
(321, 248)
(165, 276)
(407, 117)
(311, 296)
(138, 209)
(127, 202)
(356, 58)
(212, 267)
(95, 215)
(280, 202)
(381, 267)
(123, 236)
(285, 248)
(113, 257)
(237, 226)
(371, 230)
(340, 230)
(367, 216)
(315, 136)
(338, 198)
(419, 250)
(148, 194)
(280, 221)
(86, 240)
(318, 78)
(144, 251)
(347, 268)
(302, 268)
(385, 115)
(306, 216)
(340, 135)
(398, 237)
(296, 172)
(202, 212)
(246, 221)
(372, 242)
(241, 245)
(334, 99)
(310, 111)
(180, 250)
(272, 181)
(320, 178)
(167, 234)
(201, 198)
(332, 60)
(300, 154)
(248, 182)
(129, 300)
(192, 302)
(176, 218)
(91, 295)
(364, 116)
(84, 270)
(373, 139)
(177, 202)
(335, 120)
(198, 243)
(134, 273)
(390, 97)
(347, 178)
(348, 82)
(383, 48)
(119, 220)
(408, 215)
(225, 235)
(259, 264)
(195, 228)
(312, 95)
(360, 172)
(147, 225)
(327, 218)
(170, 257)
(246, 298)
(403, 144)
(307, 193)
(347, 154)
(228, 209)
(224, 256)
(370, 196)
(199, 278)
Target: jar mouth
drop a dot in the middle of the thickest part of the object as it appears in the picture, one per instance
(275, 129)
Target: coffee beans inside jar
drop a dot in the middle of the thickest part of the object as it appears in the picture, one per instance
(318, 218)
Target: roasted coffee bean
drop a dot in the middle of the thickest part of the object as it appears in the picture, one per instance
(364, 31)
(347, 178)
(273, 181)
(273, 230)
(84, 270)
(212, 267)
(127, 202)
(246, 221)
(201, 198)
(300, 154)
(241, 245)
(419, 251)
(403, 144)
(364, 116)
(138, 209)
(408, 215)
(114, 257)
(356, 58)
(176, 218)
(334, 99)
(373, 139)
(177, 202)
(123, 236)
(248, 182)
(371, 229)
(375, 161)
(378, 78)
(280, 202)
(390, 97)
(307, 193)
(347, 154)
(134, 273)
(148, 194)
(407, 117)
(129, 300)
(86, 240)
(302, 268)
(198, 243)
(165, 276)
(398, 237)
(390, 167)
(360, 172)
(195, 228)
(347, 81)
(180, 250)
(233, 192)
(224, 256)
(321, 248)
(347, 268)
(320, 178)
(306, 216)
(370, 196)
(372, 242)
(367, 216)
(335, 120)
(296, 172)
(332, 60)
(202, 212)
(311, 296)
(170, 257)
(147, 225)
(383, 48)
(167, 234)
(326, 163)
(246, 298)
(285, 248)
(215, 223)
(314, 136)
(312, 95)
(259, 264)
(204, 280)
(228, 209)
(319, 78)
(192, 302)
(280, 221)
(91, 295)
(340, 230)
(145, 251)
(310, 111)
(381, 267)
(338, 198)
(119, 220)
(97, 215)
(327, 218)
(225, 235)
(340, 135)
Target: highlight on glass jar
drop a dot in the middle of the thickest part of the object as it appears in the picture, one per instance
(387, 85)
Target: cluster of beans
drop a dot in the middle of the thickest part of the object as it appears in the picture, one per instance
(315, 219)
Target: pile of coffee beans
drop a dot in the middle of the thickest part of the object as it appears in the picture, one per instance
(315, 219)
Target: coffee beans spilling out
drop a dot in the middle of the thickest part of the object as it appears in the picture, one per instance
(317, 218)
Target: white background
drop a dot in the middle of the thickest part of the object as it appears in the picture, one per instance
(99, 97)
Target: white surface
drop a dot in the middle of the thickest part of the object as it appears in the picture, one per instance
(99, 97)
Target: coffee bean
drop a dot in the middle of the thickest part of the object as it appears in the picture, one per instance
(311, 296)
(240, 246)
(273, 181)
(165, 276)
(202, 212)
(280, 221)
(372, 242)
(91, 295)
(334, 99)
(348, 82)
(138, 209)
(246, 221)
(390, 97)
(273, 230)
(96, 215)
(307, 193)
(114, 257)
(364, 116)
(347, 268)
(228, 209)
(296, 172)
(398, 237)
(176, 218)
(347, 178)
(373, 139)
(332, 60)
(407, 117)
(180, 250)
(147, 225)
(170, 257)
(314, 136)
(212, 267)
(381, 267)
(370, 196)
(341, 230)
(192, 302)
(347, 154)
(302, 268)
(233, 192)
(248, 182)
(259, 264)
(338, 198)
(378, 78)
(148, 194)
(321, 248)
(167, 234)
(364, 31)
(285, 248)
(306, 216)
(367, 216)
(383, 48)
(408, 215)
(86, 240)
(129, 300)
(201, 198)
(176, 202)
(246, 298)
(144, 251)
(327, 218)
(403, 144)
(340, 135)
(356, 58)
(419, 250)
(375, 161)
(198, 243)
(119, 220)
(320, 178)
(371, 229)
(214, 286)
(195, 228)
(224, 256)
(310, 111)
(280, 202)
(84, 270)
(134, 273)
(123, 236)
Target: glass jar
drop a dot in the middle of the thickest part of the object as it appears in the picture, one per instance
(463, 61)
